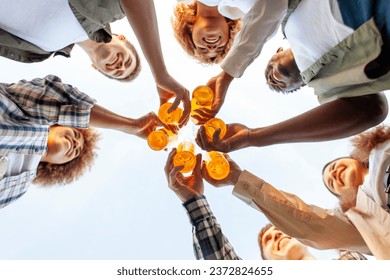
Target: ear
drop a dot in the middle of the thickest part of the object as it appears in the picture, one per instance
(280, 49)
(121, 37)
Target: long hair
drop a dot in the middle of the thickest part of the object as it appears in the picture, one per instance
(49, 174)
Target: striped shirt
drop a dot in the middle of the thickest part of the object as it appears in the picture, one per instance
(27, 110)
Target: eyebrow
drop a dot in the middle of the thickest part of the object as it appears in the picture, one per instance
(330, 168)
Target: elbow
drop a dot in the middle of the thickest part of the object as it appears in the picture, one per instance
(376, 108)
(371, 109)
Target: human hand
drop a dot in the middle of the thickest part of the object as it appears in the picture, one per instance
(184, 187)
(168, 88)
(236, 137)
(230, 180)
(219, 85)
(144, 125)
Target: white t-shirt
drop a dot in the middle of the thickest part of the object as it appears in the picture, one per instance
(232, 9)
(49, 24)
(315, 27)
(375, 180)
(18, 163)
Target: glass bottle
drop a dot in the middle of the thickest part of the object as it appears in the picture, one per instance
(169, 118)
(185, 155)
(217, 165)
(202, 97)
(160, 138)
(212, 125)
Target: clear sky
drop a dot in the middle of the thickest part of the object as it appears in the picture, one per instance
(123, 208)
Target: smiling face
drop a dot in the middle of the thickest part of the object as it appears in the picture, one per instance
(210, 35)
(116, 59)
(344, 174)
(278, 246)
(282, 73)
(63, 145)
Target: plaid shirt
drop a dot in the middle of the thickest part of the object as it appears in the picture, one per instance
(27, 110)
(209, 242)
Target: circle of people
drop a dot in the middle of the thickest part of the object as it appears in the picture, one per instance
(47, 134)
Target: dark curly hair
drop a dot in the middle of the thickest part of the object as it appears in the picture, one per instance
(182, 23)
(60, 174)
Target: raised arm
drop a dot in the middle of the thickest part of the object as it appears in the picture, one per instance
(334, 120)
(208, 240)
(142, 17)
(312, 225)
(141, 127)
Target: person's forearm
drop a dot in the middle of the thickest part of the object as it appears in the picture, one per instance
(142, 17)
(312, 225)
(334, 120)
(103, 118)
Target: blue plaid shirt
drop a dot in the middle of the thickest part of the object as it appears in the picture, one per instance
(210, 243)
(27, 110)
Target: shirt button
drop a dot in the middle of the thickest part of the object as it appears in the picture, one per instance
(11, 55)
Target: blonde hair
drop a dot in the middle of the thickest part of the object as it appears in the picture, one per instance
(60, 174)
(182, 22)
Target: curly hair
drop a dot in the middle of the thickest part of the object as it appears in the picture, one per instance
(60, 174)
(182, 22)
(364, 142)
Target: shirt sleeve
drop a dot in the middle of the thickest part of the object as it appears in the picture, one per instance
(373, 222)
(208, 240)
(312, 225)
(49, 101)
(258, 26)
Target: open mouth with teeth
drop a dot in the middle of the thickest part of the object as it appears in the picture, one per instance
(213, 40)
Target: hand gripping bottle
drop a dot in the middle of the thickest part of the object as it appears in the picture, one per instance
(202, 97)
(169, 118)
(160, 138)
(212, 125)
(217, 165)
(185, 155)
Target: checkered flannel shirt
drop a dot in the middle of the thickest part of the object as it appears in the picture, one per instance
(27, 110)
(208, 239)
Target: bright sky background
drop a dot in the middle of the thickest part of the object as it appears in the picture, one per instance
(123, 208)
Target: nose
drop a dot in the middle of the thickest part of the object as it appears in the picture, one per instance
(211, 47)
